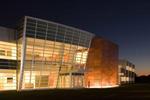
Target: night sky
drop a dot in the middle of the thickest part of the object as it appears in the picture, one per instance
(125, 22)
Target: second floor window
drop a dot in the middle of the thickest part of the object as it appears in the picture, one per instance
(2, 52)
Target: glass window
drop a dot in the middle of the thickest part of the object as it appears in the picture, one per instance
(8, 53)
(9, 80)
(2, 52)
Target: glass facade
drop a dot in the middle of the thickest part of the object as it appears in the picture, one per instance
(51, 55)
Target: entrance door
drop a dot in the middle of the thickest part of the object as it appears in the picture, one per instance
(71, 80)
(77, 81)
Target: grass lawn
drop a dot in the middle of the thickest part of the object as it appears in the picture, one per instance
(134, 92)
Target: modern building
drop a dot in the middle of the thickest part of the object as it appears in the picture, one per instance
(40, 54)
(126, 72)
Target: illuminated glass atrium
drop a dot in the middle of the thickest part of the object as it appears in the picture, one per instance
(48, 55)
(51, 55)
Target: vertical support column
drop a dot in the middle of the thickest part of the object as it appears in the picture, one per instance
(23, 52)
(70, 75)
(33, 55)
(17, 59)
(54, 52)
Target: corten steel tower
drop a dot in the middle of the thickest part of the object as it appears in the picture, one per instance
(102, 64)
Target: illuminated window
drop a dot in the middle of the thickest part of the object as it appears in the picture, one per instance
(9, 80)
(2, 52)
(8, 53)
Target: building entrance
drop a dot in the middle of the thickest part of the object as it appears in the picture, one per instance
(71, 80)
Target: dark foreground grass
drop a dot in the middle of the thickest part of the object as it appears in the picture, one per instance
(134, 92)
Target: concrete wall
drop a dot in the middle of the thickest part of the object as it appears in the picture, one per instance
(102, 64)
(7, 34)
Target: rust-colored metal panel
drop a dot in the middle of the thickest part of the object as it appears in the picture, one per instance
(102, 64)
